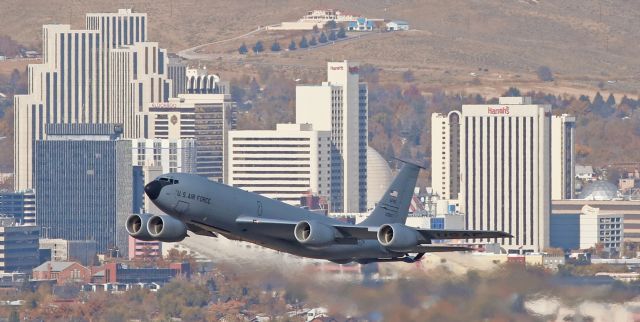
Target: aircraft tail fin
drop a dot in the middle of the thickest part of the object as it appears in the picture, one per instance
(393, 207)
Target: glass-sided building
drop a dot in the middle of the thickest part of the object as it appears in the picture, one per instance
(84, 180)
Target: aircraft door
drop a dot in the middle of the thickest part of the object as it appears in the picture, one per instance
(181, 207)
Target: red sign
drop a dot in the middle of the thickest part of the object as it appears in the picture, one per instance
(499, 110)
(354, 70)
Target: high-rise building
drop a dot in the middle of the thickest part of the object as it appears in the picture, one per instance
(177, 69)
(76, 80)
(18, 246)
(84, 180)
(504, 164)
(563, 128)
(285, 164)
(340, 106)
(445, 154)
(20, 205)
(83, 251)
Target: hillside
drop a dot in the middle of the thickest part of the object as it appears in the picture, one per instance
(584, 43)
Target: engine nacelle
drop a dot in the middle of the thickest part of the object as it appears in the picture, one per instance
(136, 226)
(314, 234)
(166, 229)
(397, 237)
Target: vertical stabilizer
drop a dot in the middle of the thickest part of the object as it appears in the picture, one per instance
(393, 207)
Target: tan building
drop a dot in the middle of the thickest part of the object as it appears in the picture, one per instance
(340, 106)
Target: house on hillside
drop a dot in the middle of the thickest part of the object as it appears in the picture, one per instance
(395, 25)
(361, 24)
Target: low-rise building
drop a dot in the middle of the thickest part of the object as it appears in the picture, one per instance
(121, 273)
(395, 25)
(361, 24)
(18, 246)
(579, 224)
(83, 251)
(62, 272)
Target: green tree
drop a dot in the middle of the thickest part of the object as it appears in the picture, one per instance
(275, 46)
(545, 74)
(243, 49)
(332, 35)
(331, 24)
(342, 33)
(303, 42)
(313, 41)
(258, 47)
(292, 45)
(323, 38)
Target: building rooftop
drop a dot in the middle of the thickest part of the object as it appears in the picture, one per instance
(54, 266)
(599, 190)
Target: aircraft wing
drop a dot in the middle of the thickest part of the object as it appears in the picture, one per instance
(284, 228)
(435, 248)
(430, 234)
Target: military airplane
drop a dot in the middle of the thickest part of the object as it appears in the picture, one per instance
(194, 204)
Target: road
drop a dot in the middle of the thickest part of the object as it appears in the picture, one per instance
(192, 54)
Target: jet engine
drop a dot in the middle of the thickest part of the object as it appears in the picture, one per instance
(166, 228)
(136, 226)
(397, 237)
(314, 234)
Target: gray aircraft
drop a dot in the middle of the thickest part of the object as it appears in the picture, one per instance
(193, 203)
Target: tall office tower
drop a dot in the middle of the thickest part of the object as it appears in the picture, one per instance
(73, 83)
(505, 168)
(20, 205)
(177, 72)
(84, 180)
(445, 154)
(563, 128)
(285, 164)
(340, 106)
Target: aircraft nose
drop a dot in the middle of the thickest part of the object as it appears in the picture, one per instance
(152, 189)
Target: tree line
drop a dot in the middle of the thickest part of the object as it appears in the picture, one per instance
(323, 38)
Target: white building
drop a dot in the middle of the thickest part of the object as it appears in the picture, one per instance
(563, 128)
(285, 164)
(606, 229)
(396, 25)
(340, 106)
(504, 166)
(167, 154)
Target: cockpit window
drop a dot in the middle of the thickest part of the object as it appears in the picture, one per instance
(169, 180)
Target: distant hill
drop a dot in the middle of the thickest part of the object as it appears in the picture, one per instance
(585, 43)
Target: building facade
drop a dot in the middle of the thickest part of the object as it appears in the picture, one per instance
(170, 155)
(18, 246)
(74, 84)
(285, 164)
(445, 155)
(563, 128)
(83, 251)
(503, 155)
(340, 106)
(84, 184)
(20, 205)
